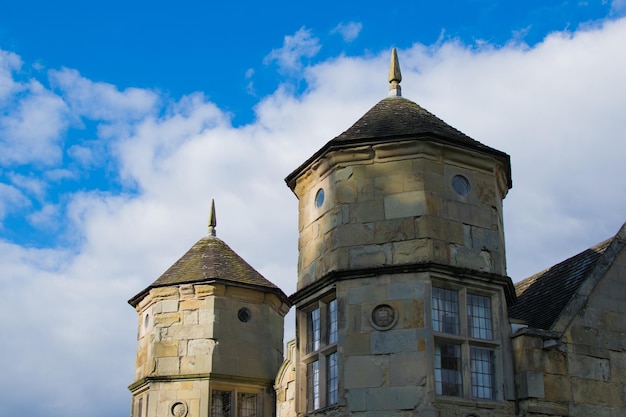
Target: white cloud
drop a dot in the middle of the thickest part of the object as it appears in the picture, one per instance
(31, 128)
(555, 108)
(47, 218)
(102, 101)
(301, 44)
(30, 185)
(9, 62)
(349, 31)
(618, 7)
(11, 200)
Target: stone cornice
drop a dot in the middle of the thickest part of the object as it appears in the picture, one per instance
(206, 376)
(334, 276)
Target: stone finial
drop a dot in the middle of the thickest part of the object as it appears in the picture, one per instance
(394, 75)
(212, 219)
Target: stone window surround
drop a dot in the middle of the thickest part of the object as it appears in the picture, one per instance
(466, 342)
(321, 354)
(235, 391)
(141, 403)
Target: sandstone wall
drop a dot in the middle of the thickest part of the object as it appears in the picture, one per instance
(388, 205)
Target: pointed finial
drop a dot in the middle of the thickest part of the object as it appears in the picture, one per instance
(394, 75)
(212, 219)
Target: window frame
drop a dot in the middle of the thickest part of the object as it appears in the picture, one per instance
(235, 392)
(141, 402)
(324, 353)
(467, 343)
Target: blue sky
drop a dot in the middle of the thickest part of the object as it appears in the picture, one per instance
(120, 121)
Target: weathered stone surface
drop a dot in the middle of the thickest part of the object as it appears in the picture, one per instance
(169, 306)
(370, 256)
(394, 230)
(195, 364)
(392, 398)
(190, 317)
(167, 366)
(408, 204)
(166, 319)
(346, 191)
(163, 349)
(596, 392)
(357, 344)
(408, 369)
(366, 371)
(353, 235)
(393, 341)
(199, 347)
(403, 291)
(412, 251)
(438, 228)
(589, 367)
(557, 388)
(357, 399)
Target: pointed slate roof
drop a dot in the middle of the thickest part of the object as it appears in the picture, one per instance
(212, 260)
(396, 119)
(543, 297)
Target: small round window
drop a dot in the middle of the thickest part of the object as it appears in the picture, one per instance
(244, 315)
(319, 198)
(461, 185)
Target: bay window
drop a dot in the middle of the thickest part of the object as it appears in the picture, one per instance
(463, 341)
(320, 355)
(233, 403)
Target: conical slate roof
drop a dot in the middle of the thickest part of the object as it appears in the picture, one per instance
(211, 260)
(395, 119)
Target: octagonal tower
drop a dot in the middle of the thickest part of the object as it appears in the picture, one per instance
(402, 268)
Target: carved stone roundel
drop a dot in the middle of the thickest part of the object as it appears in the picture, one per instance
(179, 409)
(384, 316)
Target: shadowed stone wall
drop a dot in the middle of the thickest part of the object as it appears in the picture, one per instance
(583, 372)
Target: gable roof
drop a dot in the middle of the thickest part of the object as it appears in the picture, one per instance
(397, 118)
(545, 297)
(212, 260)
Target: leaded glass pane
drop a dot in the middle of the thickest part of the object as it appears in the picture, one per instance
(313, 330)
(333, 378)
(482, 369)
(332, 322)
(448, 380)
(479, 317)
(247, 404)
(445, 311)
(221, 404)
(313, 386)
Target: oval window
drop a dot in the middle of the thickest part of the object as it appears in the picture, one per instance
(461, 185)
(319, 198)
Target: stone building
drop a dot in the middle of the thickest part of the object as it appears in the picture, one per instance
(403, 305)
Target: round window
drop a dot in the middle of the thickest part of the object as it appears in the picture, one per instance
(319, 198)
(244, 314)
(461, 185)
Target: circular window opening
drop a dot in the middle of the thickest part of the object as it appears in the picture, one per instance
(244, 315)
(461, 185)
(319, 198)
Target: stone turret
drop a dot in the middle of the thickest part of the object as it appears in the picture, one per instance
(210, 336)
(401, 253)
